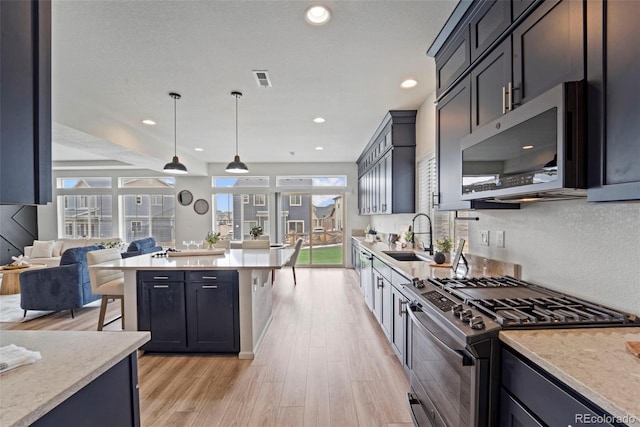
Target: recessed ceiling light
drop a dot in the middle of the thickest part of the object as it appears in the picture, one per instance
(148, 122)
(319, 148)
(319, 120)
(527, 147)
(409, 83)
(317, 15)
(199, 149)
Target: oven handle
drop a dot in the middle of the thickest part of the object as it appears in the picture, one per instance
(464, 359)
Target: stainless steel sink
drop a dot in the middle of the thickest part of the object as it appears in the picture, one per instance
(406, 256)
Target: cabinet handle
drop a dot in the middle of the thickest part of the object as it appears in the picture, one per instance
(209, 277)
(209, 286)
(384, 207)
(435, 199)
(160, 286)
(401, 309)
(380, 284)
(510, 100)
(161, 277)
(504, 100)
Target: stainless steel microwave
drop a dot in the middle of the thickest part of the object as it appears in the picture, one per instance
(535, 152)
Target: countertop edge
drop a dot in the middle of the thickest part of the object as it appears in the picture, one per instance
(45, 407)
(568, 379)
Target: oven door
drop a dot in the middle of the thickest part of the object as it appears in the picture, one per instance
(444, 376)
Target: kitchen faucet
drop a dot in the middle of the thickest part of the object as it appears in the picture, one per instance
(430, 248)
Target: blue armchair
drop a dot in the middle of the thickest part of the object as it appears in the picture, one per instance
(66, 287)
(141, 246)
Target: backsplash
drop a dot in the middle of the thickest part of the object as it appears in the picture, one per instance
(589, 250)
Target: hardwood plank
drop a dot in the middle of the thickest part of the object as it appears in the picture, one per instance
(343, 409)
(317, 410)
(290, 416)
(265, 410)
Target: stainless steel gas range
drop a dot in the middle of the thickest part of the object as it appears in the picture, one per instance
(453, 347)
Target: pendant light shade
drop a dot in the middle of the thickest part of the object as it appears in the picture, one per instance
(175, 166)
(236, 166)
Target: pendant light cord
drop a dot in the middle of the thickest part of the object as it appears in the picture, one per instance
(236, 125)
(175, 128)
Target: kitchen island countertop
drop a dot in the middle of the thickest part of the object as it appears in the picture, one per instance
(70, 361)
(594, 362)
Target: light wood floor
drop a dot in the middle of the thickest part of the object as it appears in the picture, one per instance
(324, 361)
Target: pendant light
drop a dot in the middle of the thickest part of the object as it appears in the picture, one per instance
(236, 166)
(175, 166)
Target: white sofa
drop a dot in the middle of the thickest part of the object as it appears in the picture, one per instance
(37, 253)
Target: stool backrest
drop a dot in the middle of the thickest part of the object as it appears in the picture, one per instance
(100, 277)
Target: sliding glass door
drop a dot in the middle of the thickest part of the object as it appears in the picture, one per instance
(317, 219)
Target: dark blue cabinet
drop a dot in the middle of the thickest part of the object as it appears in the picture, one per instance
(192, 311)
(212, 311)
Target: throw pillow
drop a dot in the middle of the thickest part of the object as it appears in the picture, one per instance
(42, 249)
(57, 248)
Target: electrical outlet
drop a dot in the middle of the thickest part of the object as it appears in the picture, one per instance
(484, 237)
(500, 239)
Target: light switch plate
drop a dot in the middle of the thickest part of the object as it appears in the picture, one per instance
(484, 237)
(500, 238)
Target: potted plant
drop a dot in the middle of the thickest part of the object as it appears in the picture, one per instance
(255, 232)
(212, 238)
(444, 246)
(408, 237)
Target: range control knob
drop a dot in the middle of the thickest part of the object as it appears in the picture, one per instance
(476, 322)
(456, 309)
(465, 315)
(418, 283)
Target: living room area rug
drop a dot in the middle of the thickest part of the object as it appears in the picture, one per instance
(11, 312)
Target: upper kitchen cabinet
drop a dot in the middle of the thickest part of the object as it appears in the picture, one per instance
(453, 61)
(548, 49)
(487, 24)
(25, 102)
(386, 168)
(613, 68)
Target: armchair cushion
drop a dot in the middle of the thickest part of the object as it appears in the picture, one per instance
(65, 287)
(142, 246)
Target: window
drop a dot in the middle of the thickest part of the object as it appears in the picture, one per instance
(147, 182)
(93, 211)
(246, 181)
(295, 200)
(295, 226)
(245, 199)
(149, 215)
(259, 199)
(311, 181)
(90, 182)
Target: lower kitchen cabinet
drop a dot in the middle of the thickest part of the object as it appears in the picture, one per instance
(193, 311)
(531, 397)
(399, 321)
(382, 295)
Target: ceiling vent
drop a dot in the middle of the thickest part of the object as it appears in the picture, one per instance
(262, 78)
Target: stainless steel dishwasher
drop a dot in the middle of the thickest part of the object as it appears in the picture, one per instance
(366, 277)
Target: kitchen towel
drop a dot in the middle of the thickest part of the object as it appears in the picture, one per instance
(12, 356)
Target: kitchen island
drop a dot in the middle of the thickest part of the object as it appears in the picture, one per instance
(67, 386)
(253, 267)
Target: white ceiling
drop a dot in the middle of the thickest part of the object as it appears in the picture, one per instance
(115, 62)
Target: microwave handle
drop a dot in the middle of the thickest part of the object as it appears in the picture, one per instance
(504, 100)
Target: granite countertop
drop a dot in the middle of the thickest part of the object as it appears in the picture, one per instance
(478, 266)
(70, 360)
(594, 362)
(232, 259)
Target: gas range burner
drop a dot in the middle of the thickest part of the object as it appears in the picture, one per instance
(477, 282)
(513, 303)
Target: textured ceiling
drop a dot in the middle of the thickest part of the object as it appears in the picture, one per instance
(114, 63)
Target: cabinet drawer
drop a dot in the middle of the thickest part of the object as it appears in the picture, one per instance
(169, 276)
(539, 394)
(512, 414)
(382, 268)
(210, 276)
